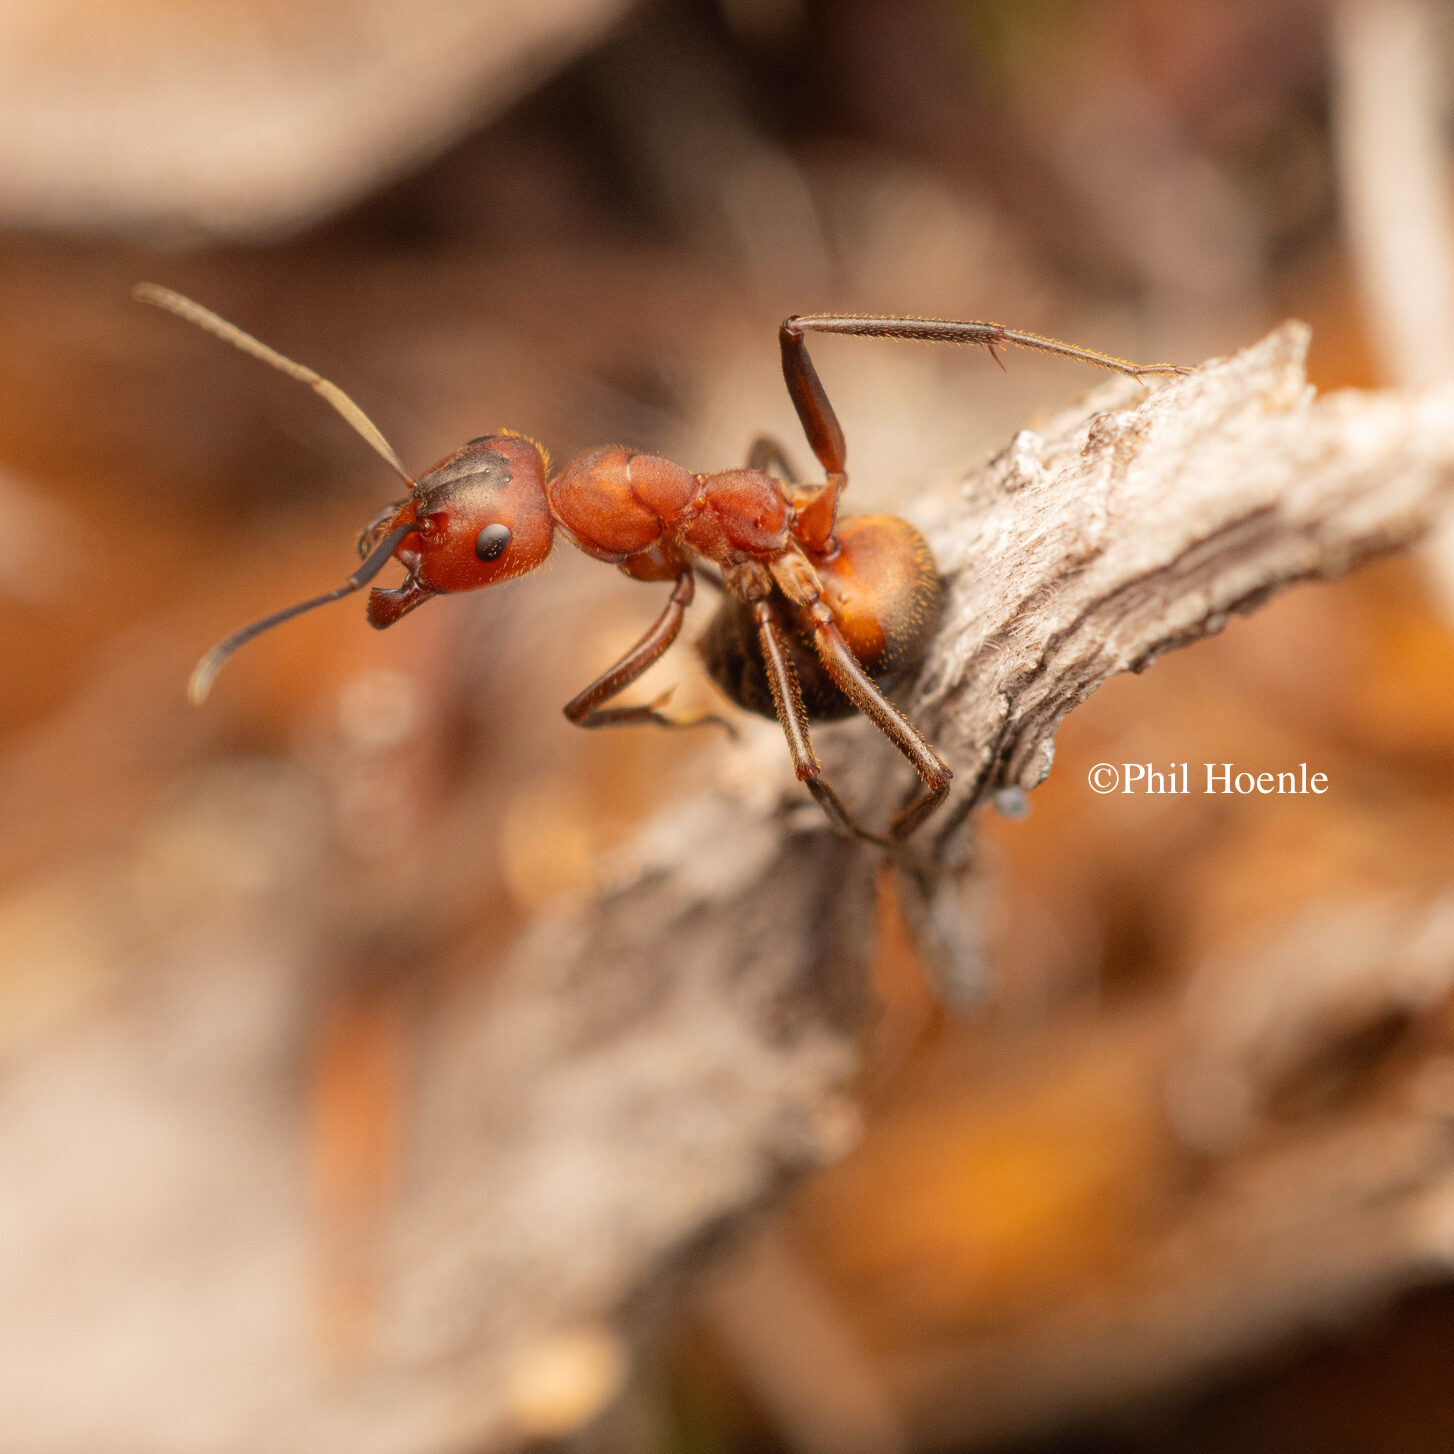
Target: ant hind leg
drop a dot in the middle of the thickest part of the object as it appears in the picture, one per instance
(810, 399)
(793, 716)
(860, 689)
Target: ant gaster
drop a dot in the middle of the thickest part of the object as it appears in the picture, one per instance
(822, 614)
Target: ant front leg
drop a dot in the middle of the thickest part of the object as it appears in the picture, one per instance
(377, 528)
(585, 709)
(787, 697)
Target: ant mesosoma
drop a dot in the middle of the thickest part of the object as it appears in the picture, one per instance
(822, 615)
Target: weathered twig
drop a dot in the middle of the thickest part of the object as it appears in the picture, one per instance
(1122, 532)
(655, 1060)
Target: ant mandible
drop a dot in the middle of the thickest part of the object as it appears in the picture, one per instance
(822, 615)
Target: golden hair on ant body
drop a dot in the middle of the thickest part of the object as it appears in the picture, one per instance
(821, 616)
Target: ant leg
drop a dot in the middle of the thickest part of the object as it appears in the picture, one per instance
(855, 684)
(585, 709)
(787, 697)
(805, 389)
(766, 453)
(817, 512)
(376, 529)
(820, 423)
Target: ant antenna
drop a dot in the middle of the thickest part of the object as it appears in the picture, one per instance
(206, 671)
(205, 318)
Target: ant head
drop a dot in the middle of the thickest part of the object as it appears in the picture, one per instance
(478, 517)
(482, 517)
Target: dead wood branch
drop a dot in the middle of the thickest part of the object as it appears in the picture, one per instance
(655, 1060)
(1130, 528)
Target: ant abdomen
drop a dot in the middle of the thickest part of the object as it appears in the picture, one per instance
(729, 648)
(884, 591)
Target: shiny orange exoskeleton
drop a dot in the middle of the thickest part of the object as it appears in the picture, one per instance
(822, 614)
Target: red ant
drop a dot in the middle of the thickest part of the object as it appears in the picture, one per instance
(821, 615)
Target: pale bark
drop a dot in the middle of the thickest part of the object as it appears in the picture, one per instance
(655, 1060)
(661, 1057)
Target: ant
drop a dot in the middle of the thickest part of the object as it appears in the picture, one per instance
(822, 615)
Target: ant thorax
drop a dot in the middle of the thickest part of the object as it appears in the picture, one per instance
(616, 503)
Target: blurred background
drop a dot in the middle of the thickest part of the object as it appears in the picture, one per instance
(1180, 1178)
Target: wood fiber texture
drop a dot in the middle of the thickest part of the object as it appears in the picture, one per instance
(662, 1056)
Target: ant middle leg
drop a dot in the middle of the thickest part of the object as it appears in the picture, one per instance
(586, 709)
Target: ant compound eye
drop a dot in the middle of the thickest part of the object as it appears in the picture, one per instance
(491, 541)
